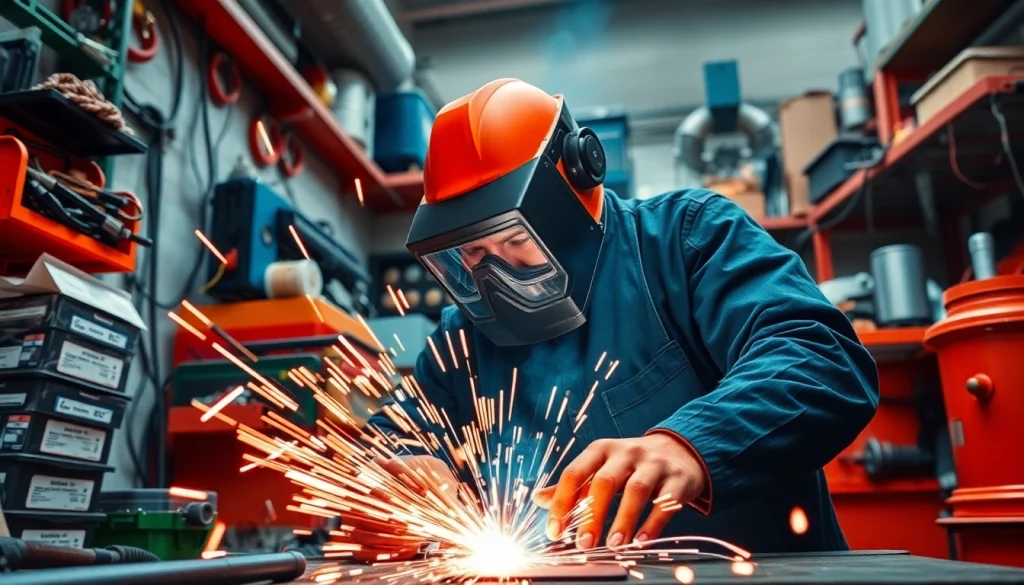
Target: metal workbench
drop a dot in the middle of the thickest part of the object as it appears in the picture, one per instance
(853, 568)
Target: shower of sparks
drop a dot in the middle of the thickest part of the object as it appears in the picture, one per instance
(298, 241)
(359, 192)
(487, 527)
(209, 246)
(798, 521)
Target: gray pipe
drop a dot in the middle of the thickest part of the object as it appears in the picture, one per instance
(688, 143)
(356, 34)
(983, 256)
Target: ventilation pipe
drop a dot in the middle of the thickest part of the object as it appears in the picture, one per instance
(690, 139)
(356, 34)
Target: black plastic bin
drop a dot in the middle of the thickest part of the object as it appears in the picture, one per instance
(829, 169)
(56, 528)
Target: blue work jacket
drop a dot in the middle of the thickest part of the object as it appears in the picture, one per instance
(716, 333)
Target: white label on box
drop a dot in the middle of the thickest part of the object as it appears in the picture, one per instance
(59, 493)
(12, 314)
(72, 538)
(78, 409)
(90, 365)
(71, 440)
(9, 357)
(14, 399)
(98, 332)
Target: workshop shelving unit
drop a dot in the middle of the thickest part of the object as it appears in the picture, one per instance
(65, 41)
(291, 100)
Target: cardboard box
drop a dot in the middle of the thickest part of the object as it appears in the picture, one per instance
(966, 69)
(807, 125)
(752, 203)
(61, 323)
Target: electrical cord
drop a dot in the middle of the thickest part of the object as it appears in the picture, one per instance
(1004, 136)
(800, 241)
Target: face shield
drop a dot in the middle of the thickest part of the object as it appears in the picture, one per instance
(519, 253)
(509, 260)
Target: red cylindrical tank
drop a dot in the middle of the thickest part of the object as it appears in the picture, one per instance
(980, 349)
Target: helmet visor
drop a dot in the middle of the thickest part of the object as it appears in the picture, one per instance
(512, 260)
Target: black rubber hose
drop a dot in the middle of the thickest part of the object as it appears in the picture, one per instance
(230, 570)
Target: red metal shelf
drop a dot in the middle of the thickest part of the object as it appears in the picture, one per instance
(896, 344)
(893, 189)
(290, 99)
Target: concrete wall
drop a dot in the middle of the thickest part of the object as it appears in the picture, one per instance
(316, 191)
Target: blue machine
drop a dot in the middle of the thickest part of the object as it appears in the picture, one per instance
(722, 91)
(251, 222)
(402, 130)
(613, 132)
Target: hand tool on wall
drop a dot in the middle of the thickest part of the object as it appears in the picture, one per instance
(144, 25)
(223, 79)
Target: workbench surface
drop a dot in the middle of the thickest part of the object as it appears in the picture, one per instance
(853, 568)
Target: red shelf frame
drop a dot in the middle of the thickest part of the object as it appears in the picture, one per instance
(895, 156)
(291, 100)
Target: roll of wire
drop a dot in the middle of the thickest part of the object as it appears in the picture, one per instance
(223, 79)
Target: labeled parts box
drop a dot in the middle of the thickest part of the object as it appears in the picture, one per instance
(56, 311)
(40, 417)
(43, 483)
(65, 356)
(63, 321)
(98, 408)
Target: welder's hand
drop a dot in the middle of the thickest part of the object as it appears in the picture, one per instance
(656, 467)
(388, 539)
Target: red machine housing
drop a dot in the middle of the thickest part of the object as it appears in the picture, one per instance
(208, 455)
(896, 513)
(980, 347)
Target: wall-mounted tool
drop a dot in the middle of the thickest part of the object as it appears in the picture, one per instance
(983, 255)
(884, 460)
(223, 79)
(272, 144)
(895, 294)
(256, 224)
(144, 25)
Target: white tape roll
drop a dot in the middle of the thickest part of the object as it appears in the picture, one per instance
(294, 278)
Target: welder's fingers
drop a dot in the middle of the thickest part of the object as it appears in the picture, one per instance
(666, 505)
(604, 486)
(568, 490)
(635, 497)
(543, 497)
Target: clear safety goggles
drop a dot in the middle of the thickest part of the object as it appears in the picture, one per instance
(511, 261)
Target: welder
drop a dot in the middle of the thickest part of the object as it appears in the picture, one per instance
(734, 379)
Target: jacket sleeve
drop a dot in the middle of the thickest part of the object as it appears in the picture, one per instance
(798, 386)
(432, 386)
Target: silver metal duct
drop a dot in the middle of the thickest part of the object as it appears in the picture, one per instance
(691, 135)
(356, 34)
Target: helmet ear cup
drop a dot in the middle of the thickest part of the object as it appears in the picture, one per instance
(584, 159)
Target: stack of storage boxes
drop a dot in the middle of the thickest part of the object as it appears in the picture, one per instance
(66, 343)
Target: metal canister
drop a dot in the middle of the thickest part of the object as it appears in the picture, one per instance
(854, 104)
(901, 297)
(354, 107)
(983, 255)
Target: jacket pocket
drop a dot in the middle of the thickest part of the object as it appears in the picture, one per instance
(654, 393)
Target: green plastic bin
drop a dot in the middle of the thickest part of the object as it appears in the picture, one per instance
(171, 527)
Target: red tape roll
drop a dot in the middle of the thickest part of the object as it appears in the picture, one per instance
(220, 95)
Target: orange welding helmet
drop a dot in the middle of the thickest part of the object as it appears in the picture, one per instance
(511, 219)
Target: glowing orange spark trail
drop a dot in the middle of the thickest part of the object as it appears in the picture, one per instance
(488, 526)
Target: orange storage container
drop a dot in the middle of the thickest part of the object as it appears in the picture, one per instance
(25, 234)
